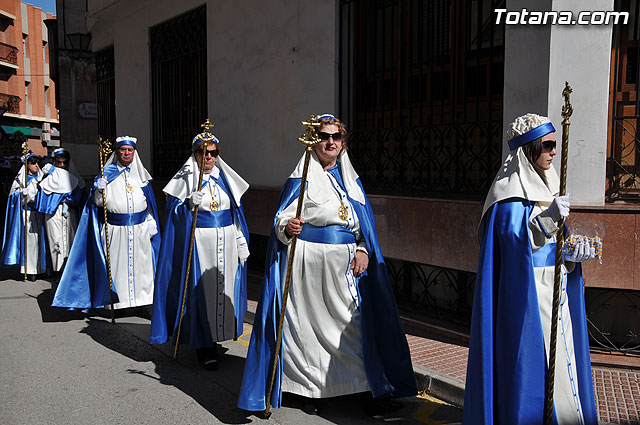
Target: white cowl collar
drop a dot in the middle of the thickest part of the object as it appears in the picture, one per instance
(62, 181)
(518, 179)
(138, 175)
(184, 182)
(318, 190)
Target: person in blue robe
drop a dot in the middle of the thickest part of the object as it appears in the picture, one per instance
(13, 238)
(342, 333)
(60, 198)
(512, 306)
(216, 297)
(132, 219)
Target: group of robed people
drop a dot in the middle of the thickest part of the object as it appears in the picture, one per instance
(341, 330)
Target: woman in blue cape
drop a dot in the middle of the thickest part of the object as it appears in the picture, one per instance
(342, 333)
(60, 199)
(13, 241)
(511, 321)
(217, 292)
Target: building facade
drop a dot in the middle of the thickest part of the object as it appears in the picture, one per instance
(425, 88)
(27, 92)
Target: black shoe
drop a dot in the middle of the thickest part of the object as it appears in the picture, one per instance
(377, 408)
(309, 406)
(208, 358)
(31, 277)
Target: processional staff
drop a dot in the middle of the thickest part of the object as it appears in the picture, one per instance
(567, 110)
(309, 138)
(25, 152)
(104, 150)
(207, 138)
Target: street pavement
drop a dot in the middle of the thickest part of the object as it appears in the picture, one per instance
(61, 367)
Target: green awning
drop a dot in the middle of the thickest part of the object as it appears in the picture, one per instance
(27, 131)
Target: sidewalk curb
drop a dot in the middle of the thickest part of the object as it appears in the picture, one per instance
(439, 385)
(435, 383)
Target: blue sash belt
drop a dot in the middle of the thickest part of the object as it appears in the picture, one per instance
(209, 219)
(334, 234)
(124, 219)
(545, 256)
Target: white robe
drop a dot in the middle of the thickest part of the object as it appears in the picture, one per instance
(322, 347)
(129, 246)
(566, 398)
(60, 233)
(34, 223)
(218, 259)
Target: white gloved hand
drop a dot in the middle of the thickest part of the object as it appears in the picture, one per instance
(196, 199)
(29, 193)
(243, 250)
(559, 208)
(46, 168)
(153, 228)
(65, 210)
(583, 251)
(102, 183)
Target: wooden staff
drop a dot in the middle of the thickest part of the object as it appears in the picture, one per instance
(207, 138)
(104, 149)
(25, 152)
(567, 110)
(309, 139)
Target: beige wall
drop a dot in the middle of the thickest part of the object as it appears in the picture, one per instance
(270, 64)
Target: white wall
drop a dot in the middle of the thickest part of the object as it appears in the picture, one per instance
(270, 64)
(538, 60)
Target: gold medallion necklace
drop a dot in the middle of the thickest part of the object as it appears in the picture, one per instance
(213, 205)
(127, 186)
(343, 211)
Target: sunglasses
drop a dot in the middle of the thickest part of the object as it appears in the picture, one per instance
(32, 161)
(325, 136)
(548, 145)
(214, 153)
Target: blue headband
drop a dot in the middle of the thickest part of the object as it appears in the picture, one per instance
(60, 151)
(126, 141)
(530, 135)
(198, 140)
(30, 155)
(324, 116)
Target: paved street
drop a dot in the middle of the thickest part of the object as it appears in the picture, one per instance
(62, 367)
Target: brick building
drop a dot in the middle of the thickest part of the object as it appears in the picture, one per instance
(27, 92)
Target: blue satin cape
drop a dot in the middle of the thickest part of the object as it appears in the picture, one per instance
(13, 238)
(387, 361)
(84, 283)
(169, 284)
(48, 204)
(507, 363)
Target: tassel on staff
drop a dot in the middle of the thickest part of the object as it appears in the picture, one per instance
(309, 139)
(25, 151)
(207, 137)
(567, 110)
(104, 150)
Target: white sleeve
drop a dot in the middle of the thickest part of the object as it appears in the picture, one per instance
(282, 220)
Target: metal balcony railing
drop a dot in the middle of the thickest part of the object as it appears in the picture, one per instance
(8, 54)
(10, 103)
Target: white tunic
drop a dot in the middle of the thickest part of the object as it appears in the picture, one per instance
(60, 233)
(129, 246)
(322, 347)
(218, 259)
(566, 398)
(34, 223)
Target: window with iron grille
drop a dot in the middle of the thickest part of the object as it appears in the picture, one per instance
(106, 93)
(421, 85)
(178, 50)
(623, 161)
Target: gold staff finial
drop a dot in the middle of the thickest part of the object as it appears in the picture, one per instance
(206, 135)
(567, 109)
(310, 135)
